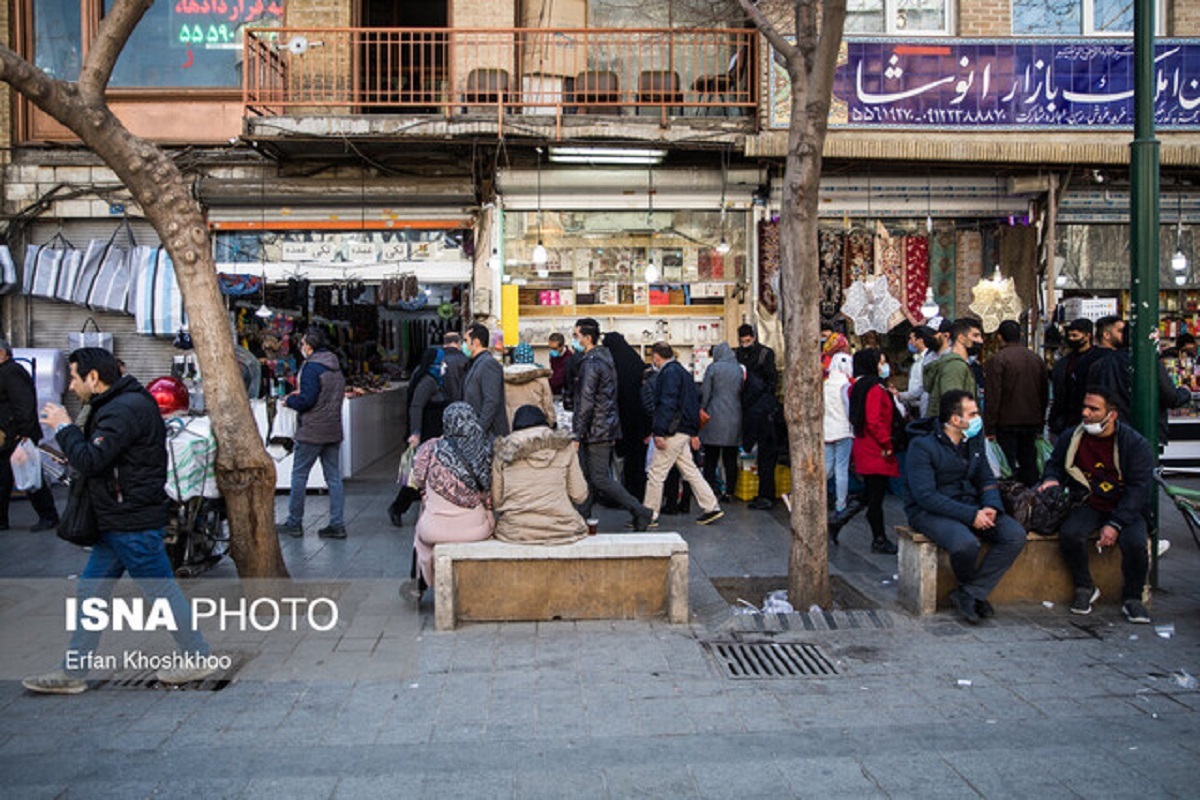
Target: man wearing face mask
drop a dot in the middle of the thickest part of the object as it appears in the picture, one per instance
(1066, 379)
(1113, 371)
(953, 498)
(560, 360)
(921, 343)
(1110, 465)
(951, 370)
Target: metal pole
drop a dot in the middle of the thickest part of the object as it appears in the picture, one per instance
(1143, 218)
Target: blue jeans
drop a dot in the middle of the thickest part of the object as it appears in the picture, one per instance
(976, 578)
(303, 458)
(837, 466)
(143, 555)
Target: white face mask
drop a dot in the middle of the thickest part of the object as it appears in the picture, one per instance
(1094, 428)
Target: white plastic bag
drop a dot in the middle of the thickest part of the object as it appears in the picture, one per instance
(26, 463)
(284, 426)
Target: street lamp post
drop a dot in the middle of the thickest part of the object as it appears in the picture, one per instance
(1143, 218)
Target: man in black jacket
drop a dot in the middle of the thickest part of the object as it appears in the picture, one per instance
(760, 411)
(676, 426)
(1113, 371)
(483, 386)
(121, 453)
(596, 423)
(1111, 467)
(1068, 373)
(19, 420)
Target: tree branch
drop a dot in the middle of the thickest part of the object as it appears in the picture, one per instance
(110, 40)
(833, 21)
(56, 98)
(786, 50)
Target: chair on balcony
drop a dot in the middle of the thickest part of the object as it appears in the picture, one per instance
(486, 87)
(726, 88)
(597, 92)
(660, 88)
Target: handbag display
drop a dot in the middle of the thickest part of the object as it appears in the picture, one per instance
(157, 300)
(92, 338)
(8, 271)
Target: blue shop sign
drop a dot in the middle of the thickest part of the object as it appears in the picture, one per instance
(1001, 83)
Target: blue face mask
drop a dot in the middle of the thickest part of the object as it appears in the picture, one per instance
(973, 428)
(912, 348)
(555, 353)
(577, 345)
(885, 371)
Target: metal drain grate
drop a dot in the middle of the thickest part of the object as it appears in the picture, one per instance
(745, 661)
(143, 680)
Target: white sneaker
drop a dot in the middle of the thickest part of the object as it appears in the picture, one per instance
(58, 681)
(1163, 546)
(177, 676)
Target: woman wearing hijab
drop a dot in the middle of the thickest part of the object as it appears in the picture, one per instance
(453, 473)
(536, 483)
(635, 423)
(871, 411)
(839, 433)
(426, 402)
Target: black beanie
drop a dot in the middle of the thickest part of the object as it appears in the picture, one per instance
(528, 417)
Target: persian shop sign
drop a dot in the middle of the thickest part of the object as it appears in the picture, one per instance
(1001, 84)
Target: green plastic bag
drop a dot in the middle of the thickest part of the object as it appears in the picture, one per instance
(997, 461)
(1044, 450)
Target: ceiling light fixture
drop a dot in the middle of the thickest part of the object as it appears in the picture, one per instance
(615, 156)
(1179, 261)
(930, 308)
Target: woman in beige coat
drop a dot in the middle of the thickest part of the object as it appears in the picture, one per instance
(528, 385)
(536, 481)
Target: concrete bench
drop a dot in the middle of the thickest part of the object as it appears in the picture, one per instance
(607, 576)
(1038, 574)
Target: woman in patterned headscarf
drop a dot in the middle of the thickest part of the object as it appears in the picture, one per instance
(454, 476)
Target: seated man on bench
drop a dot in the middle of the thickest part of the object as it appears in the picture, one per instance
(953, 498)
(1110, 463)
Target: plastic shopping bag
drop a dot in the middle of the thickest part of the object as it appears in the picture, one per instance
(404, 474)
(1044, 451)
(26, 467)
(997, 460)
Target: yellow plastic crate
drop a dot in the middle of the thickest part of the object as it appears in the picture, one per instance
(783, 480)
(747, 485)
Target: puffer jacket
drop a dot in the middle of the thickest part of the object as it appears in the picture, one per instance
(676, 402)
(721, 397)
(18, 404)
(536, 479)
(947, 480)
(122, 456)
(528, 385)
(319, 401)
(596, 417)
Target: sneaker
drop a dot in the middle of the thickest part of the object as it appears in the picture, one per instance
(1084, 597)
(884, 546)
(641, 523)
(178, 676)
(410, 592)
(57, 682)
(762, 504)
(44, 524)
(291, 529)
(724, 498)
(1135, 612)
(709, 517)
(984, 609)
(1163, 546)
(332, 532)
(964, 604)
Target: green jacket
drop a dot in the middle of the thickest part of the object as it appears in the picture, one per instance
(949, 371)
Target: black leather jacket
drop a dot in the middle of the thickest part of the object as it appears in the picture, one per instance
(596, 416)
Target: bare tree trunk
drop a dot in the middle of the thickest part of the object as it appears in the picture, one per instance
(810, 63)
(245, 473)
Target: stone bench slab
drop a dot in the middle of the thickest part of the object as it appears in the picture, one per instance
(607, 576)
(1038, 574)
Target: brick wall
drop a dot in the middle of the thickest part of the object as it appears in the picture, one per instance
(320, 14)
(6, 96)
(984, 18)
(1183, 18)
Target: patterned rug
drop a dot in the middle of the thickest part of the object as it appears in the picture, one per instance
(889, 262)
(916, 276)
(860, 257)
(968, 266)
(941, 269)
(768, 263)
(832, 246)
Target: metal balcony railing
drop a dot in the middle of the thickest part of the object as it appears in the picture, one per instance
(662, 73)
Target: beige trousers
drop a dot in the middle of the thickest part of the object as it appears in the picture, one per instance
(677, 453)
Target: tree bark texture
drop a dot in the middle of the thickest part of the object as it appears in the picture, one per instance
(245, 473)
(810, 63)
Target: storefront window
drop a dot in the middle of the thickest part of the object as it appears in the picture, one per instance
(57, 38)
(898, 16)
(191, 43)
(1075, 17)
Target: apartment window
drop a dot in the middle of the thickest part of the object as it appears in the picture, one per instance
(1078, 17)
(898, 16)
(181, 44)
